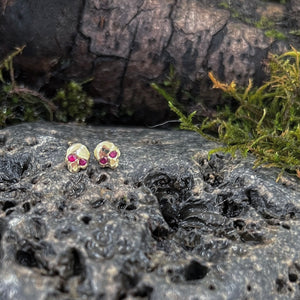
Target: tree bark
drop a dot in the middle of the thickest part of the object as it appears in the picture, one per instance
(125, 45)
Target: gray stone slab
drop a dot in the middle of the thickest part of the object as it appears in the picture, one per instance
(166, 224)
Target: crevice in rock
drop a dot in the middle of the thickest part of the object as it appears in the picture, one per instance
(171, 19)
(260, 56)
(3, 138)
(127, 60)
(26, 258)
(195, 271)
(72, 264)
(86, 219)
(221, 68)
(8, 204)
(3, 225)
(143, 291)
(214, 45)
(269, 210)
(138, 12)
(81, 12)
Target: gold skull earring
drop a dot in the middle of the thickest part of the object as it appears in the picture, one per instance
(107, 154)
(77, 157)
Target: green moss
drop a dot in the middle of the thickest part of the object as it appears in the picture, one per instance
(276, 34)
(266, 121)
(224, 4)
(18, 103)
(22, 104)
(295, 32)
(73, 103)
(265, 23)
(234, 12)
(268, 26)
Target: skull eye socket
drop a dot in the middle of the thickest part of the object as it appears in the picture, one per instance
(82, 162)
(113, 154)
(72, 157)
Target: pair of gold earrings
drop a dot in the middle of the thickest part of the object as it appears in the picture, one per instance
(78, 156)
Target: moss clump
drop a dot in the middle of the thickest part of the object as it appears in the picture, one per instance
(276, 34)
(268, 26)
(265, 23)
(266, 121)
(74, 104)
(224, 4)
(295, 32)
(18, 103)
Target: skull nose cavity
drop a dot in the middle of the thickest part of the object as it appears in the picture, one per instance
(103, 160)
(72, 157)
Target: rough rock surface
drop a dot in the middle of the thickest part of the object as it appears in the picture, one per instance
(124, 46)
(166, 224)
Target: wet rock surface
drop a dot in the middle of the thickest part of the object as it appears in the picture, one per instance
(166, 224)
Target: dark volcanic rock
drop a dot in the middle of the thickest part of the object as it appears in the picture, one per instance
(166, 224)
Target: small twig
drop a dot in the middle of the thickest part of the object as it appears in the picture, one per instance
(164, 123)
(12, 74)
(22, 90)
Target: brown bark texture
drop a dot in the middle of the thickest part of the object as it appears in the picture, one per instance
(125, 45)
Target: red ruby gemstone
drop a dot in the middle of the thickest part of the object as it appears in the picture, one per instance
(113, 154)
(82, 162)
(103, 160)
(72, 157)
